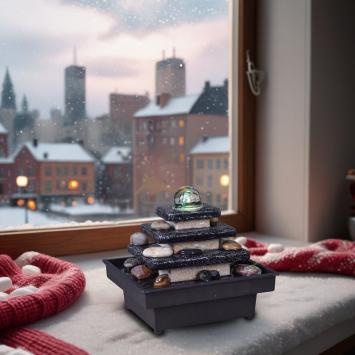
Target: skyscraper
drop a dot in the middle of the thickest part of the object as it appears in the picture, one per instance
(75, 96)
(8, 98)
(170, 76)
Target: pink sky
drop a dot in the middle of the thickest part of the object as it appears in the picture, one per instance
(37, 37)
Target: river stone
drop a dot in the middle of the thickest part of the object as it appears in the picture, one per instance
(207, 275)
(162, 281)
(139, 238)
(189, 252)
(158, 252)
(241, 240)
(230, 245)
(275, 248)
(246, 270)
(141, 272)
(131, 262)
(160, 225)
(189, 273)
(214, 221)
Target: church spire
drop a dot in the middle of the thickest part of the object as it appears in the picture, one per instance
(24, 104)
(8, 98)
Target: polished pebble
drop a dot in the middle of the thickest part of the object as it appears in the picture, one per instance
(141, 272)
(246, 270)
(162, 281)
(158, 252)
(231, 245)
(30, 270)
(5, 284)
(214, 221)
(23, 291)
(131, 262)
(190, 252)
(160, 225)
(139, 238)
(207, 275)
(241, 240)
(3, 296)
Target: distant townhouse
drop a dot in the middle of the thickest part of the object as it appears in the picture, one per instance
(56, 172)
(118, 178)
(165, 131)
(210, 170)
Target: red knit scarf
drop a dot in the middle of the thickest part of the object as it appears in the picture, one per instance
(60, 284)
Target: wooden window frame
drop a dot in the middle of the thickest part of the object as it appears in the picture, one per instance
(88, 239)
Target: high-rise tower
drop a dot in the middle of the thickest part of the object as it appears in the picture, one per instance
(170, 76)
(8, 98)
(75, 93)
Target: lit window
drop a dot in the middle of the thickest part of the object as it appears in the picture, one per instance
(181, 123)
(182, 157)
(181, 140)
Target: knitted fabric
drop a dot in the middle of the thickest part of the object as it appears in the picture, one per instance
(38, 343)
(330, 255)
(60, 284)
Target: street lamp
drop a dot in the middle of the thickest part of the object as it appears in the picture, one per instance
(22, 183)
(224, 180)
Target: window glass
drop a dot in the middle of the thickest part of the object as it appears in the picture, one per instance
(121, 112)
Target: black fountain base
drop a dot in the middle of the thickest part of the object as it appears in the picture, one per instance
(190, 303)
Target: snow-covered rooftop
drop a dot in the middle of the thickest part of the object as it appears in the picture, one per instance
(2, 129)
(211, 145)
(176, 106)
(59, 152)
(117, 155)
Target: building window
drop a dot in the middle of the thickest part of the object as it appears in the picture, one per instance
(2, 190)
(210, 181)
(75, 170)
(182, 157)
(31, 171)
(173, 124)
(218, 164)
(84, 170)
(48, 171)
(84, 186)
(164, 140)
(181, 140)
(48, 186)
(172, 141)
(200, 164)
(226, 164)
(210, 164)
(59, 171)
(181, 123)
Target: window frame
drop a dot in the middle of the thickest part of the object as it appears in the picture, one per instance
(110, 236)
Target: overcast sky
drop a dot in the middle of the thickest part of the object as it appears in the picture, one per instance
(118, 41)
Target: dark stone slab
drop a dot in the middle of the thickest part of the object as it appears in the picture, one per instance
(170, 214)
(208, 257)
(221, 230)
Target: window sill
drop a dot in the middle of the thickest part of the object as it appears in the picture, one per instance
(303, 312)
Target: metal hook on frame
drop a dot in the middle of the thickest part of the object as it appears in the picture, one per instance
(255, 76)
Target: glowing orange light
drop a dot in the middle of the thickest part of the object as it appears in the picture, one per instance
(20, 202)
(73, 184)
(31, 204)
(224, 180)
(91, 200)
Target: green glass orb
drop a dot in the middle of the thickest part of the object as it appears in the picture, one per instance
(187, 198)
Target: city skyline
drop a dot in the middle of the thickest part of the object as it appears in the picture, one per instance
(119, 60)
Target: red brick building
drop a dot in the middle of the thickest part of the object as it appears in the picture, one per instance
(122, 109)
(56, 172)
(4, 144)
(118, 177)
(165, 131)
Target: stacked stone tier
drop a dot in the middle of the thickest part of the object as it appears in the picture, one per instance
(221, 230)
(208, 257)
(172, 215)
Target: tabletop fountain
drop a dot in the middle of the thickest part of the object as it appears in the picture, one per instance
(187, 268)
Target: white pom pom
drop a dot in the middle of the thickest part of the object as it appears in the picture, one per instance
(26, 258)
(275, 248)
(3, 297)
(30, 270)
(23, 291)
(241, 240)
(5, 284)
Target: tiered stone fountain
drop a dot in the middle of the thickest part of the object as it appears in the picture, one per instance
(188, 268)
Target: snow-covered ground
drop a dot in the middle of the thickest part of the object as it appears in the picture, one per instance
(13, 217)
(82, 209)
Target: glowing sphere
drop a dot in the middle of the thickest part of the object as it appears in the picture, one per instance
(187, 198)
